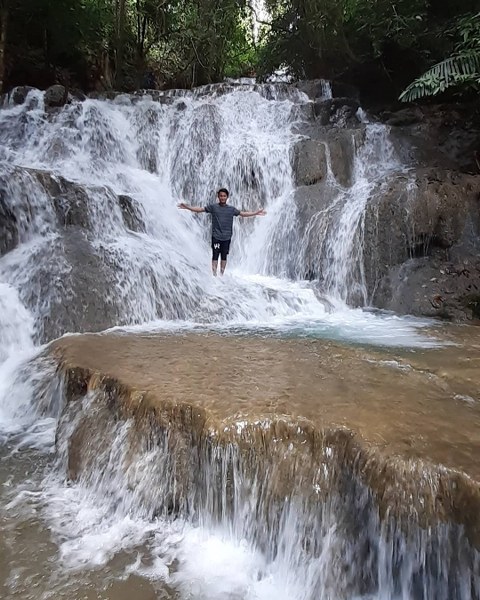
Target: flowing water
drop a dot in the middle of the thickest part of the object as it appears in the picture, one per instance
(97, 242)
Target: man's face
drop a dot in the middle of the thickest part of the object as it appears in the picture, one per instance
(222, 198)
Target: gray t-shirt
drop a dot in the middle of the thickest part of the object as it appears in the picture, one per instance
(222, 220)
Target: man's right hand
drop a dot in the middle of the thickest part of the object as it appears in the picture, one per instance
(183, 205)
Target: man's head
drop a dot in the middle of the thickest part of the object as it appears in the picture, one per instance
(222, 196)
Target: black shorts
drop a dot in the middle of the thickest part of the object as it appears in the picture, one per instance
(220, 248)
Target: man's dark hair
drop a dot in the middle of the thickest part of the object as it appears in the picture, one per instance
(224, 190)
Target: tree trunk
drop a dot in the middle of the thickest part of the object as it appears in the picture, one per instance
(120, 42)
(3, 41)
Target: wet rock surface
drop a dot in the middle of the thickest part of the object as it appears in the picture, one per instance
(444, 135)
(19, 94)
(55, 96)
(425, 421)
(422, 224)
(131, 213)
(8, 227)
(73, 262)
(309, 162)
(422, 244)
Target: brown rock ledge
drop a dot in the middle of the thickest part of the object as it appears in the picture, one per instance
(398, 422)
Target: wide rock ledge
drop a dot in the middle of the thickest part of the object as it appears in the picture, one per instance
(286, 428)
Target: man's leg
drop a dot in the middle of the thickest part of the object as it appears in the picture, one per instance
(224, 250)
(216, 245)
(223, 264)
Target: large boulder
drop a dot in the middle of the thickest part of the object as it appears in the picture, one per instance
(55, 96)
(342, 147)
(309, 161)
(69, 286)
(337, 112)
(422, 244)
(325, 150)
(76, 205)
(19, 94)
(69, 276)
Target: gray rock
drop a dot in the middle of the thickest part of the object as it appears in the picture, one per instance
(313, 88)
(73, 280)
(75, 94)
(70, 200)
(342, 145)
(8, 227)
(309, 161)
(340, 112)
(323, 144)
(69, 277)
(303, 112)
(424, 287)
(19, 94)
(310, 200)
(445, 136)
(415, 233)
(55, 96)
(131, 213)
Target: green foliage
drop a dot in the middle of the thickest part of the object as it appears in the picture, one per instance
(461, 70)
(100, 44)
(323, 37)
(458, 70)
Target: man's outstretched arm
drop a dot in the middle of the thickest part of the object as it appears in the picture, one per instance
(195, 209)
(252, 213)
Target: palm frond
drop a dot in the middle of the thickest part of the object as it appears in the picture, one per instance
(462, 68)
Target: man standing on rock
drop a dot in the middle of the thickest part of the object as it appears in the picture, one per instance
(222, 226)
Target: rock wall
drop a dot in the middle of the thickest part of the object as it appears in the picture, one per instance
(422, 244)
(421, 226)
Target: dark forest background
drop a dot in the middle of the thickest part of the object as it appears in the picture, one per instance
(385, 48)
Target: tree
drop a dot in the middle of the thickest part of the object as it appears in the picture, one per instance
(3, 39)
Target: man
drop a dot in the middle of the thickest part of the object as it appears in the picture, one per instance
(222, 225)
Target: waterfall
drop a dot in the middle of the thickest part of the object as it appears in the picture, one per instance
(206, 511)
(90, 239)
(80, 253)
(91, 190)
(342, 250)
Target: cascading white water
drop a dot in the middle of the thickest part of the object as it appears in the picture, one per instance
(79, 265)
(342, 250)
(82, 257)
